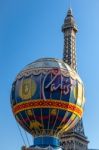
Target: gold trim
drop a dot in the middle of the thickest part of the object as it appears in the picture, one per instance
(55, 104)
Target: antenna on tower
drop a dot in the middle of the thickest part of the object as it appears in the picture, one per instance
(69, 3)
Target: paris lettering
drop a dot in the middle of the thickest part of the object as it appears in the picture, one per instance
(57, 81)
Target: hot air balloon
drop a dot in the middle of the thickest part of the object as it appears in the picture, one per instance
(47, 99)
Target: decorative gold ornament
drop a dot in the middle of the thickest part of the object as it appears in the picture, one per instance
(76, 92)
(29, 112)
(53, 111)
(27, 89)
(35, 124)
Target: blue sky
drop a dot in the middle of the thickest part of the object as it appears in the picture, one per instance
(31, 29)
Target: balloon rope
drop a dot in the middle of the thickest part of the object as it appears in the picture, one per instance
(27, 138)
(21, 134)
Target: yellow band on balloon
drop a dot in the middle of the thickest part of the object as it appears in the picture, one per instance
(57, 104)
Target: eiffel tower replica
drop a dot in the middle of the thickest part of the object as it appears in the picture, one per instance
(74, 139)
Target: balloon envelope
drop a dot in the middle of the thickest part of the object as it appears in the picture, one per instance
(47, 97)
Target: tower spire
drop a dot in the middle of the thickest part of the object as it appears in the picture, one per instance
(69, 29)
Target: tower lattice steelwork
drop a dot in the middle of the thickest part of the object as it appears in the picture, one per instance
(75, 139)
